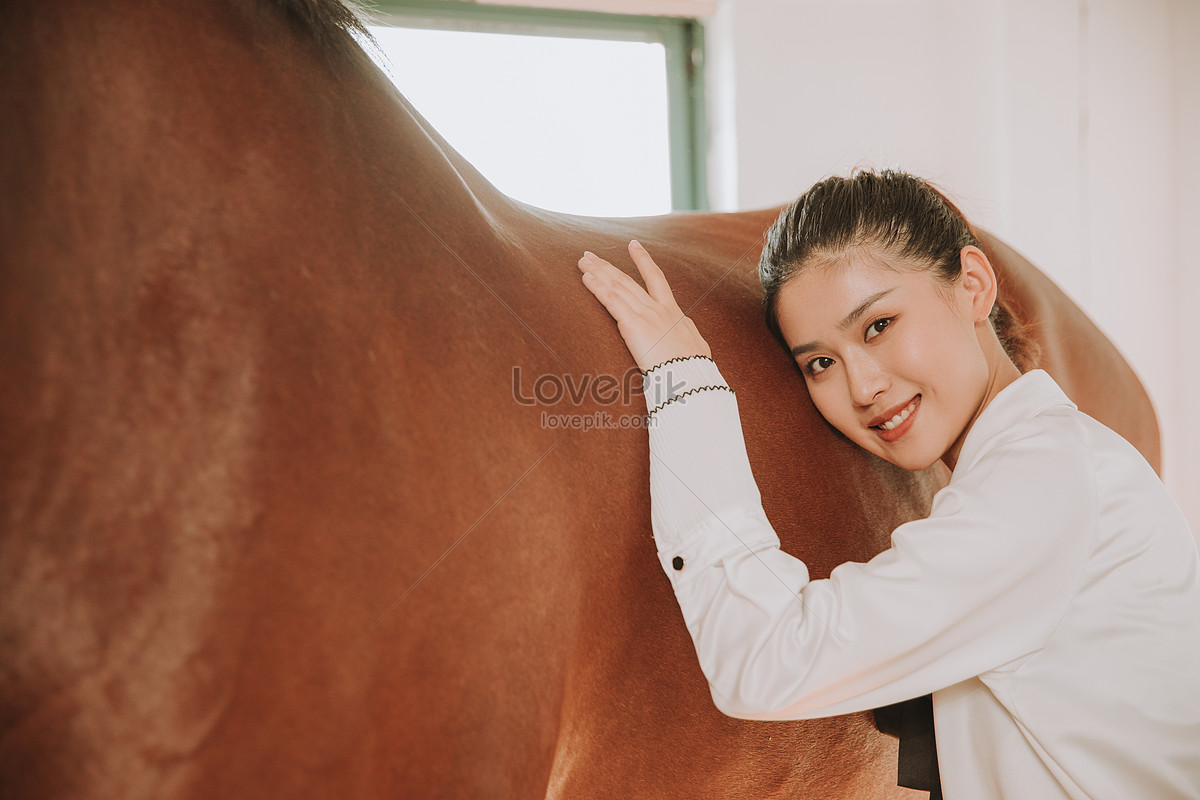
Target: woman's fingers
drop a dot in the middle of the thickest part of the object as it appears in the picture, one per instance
(657, 289)
(654, 330)
(613, 284)
(610, 285)
(656, 282)
(618, 307)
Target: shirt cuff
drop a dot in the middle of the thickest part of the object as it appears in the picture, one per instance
(725, 534)
(676, 380)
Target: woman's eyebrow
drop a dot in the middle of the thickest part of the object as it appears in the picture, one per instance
(862, 307)
(847, 321)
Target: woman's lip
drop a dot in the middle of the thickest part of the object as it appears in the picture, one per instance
(903, 428)
(885, 416)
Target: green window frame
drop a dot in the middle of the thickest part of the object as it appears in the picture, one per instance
(682, 38)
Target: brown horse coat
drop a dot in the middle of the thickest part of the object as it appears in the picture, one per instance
(274, 523)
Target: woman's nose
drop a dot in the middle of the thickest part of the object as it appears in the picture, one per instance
(867, 382)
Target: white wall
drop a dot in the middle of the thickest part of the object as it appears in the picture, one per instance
(1068, 127)
(1184, 464)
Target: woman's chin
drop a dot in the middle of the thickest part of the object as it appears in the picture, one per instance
(909, 453)
(911, 461)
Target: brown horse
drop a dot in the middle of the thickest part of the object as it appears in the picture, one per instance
(282, 516)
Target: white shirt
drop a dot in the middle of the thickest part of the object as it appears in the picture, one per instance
(1050, 601)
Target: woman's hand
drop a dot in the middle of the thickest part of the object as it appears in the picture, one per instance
(654, 328)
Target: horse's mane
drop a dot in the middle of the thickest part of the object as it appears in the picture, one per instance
(336, 26)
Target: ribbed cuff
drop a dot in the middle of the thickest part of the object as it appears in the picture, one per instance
(676, 380)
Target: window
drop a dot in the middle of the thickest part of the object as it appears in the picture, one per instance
(597, 114)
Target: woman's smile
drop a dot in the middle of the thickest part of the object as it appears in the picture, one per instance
(893, 424)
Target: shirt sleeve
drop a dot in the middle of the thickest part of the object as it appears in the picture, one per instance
(977, 585)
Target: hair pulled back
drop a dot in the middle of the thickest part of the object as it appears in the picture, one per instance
(890, 212)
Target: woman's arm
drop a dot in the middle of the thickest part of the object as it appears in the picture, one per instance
(977, 585)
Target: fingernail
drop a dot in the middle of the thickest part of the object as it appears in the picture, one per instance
(588, 254)
(635, 243)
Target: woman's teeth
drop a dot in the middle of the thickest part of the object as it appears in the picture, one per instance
(896, 420)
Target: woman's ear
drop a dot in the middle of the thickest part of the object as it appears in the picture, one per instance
(978, 279)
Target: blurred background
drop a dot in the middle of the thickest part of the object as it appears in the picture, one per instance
(1070, 128)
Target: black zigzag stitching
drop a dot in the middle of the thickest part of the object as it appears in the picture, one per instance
(685, 394)
(673, 360)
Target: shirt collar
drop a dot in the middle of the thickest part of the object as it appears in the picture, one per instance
(1025, 398)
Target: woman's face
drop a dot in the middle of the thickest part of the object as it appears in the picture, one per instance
(894, 360)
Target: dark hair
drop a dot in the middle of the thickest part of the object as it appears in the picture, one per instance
(891, 211)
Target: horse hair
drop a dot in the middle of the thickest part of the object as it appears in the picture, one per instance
(335, 25)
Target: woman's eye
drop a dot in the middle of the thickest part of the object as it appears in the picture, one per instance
(819, 365)
(877, 327)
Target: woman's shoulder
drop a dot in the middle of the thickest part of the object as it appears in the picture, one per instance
(1034, 415)
(1054, 454)
(1030, 424)
(1050, 451)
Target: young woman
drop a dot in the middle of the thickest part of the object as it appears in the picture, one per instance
(1050, 601)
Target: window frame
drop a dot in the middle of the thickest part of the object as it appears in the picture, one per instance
(681, 37)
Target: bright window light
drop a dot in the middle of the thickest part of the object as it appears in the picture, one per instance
(573, 125)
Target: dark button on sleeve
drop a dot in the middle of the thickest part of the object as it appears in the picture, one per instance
(677, 563)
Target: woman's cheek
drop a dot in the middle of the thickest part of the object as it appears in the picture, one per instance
(821, 397)
(918, 351)
(834, 405)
